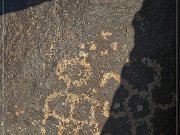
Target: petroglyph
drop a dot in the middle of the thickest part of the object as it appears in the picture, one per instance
(66, 121)
(135, 95)
(107, 76)
(73, 120)
(73, 101)
(105, 35)
(83, 54)
(105, 52)
(81, 45)
(114, 46)
(106, 108)
(74, 61)
(93, 46)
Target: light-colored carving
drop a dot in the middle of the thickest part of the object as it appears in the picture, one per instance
(107, 76)
(105, 34)
(106, 108)
(82, 46)
(105, 52)
(74, 61)
(114, 46)
(71, 122)
(93, 47)
(74, 100)
(83, 54)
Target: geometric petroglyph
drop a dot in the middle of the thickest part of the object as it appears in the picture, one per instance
(66, 122)
(134, 95)
(107, 76)
(71, 120)
(105, 35)
(70, 62)
(71, 102)
(114, 46)
(90, 125)
(157, 72)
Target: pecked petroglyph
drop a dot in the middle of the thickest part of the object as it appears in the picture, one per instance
(106, 108)
(104, 52)
(66, 121)
(145, 95)
(75, 101)
(93, 46)
(114, 46)
(105, 35)
(81, 45)
(74, 61)
(107, 76)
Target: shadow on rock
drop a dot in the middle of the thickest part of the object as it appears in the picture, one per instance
(144, 103)
(16, 5)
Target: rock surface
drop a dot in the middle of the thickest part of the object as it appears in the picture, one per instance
(88, 67)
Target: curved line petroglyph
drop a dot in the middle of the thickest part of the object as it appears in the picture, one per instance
(74, 100)
(74, 61)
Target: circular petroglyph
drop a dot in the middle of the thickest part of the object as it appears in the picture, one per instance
(140, 106)
(84, 75)
(75, 103)
(80, 113)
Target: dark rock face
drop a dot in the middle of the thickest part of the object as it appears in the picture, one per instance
(88, 67)
(151, 100)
